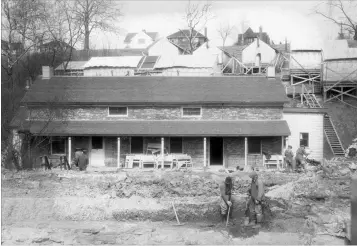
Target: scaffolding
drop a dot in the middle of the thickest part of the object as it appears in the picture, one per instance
(305, 68)
(340, 79)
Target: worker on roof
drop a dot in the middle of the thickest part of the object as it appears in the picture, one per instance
(288, 157)
(256, 200)
(299, 158)
(226, 194)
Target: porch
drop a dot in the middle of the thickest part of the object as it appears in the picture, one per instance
(222, 144)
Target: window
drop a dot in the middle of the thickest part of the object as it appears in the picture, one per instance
(137, 145)
(191, 111)
(254, 146)
(304, 139)
(58, 145)
(176, 145)
(118, 111)
(141, 41)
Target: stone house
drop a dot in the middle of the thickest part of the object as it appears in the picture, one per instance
(218, 121)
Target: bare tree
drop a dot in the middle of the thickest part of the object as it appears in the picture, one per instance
(224, 31)
(196, 17)
(346, 15)
(96, 14)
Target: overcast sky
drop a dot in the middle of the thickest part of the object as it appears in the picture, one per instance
(294, 20)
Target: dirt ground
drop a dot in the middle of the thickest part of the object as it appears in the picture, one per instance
(135, 207)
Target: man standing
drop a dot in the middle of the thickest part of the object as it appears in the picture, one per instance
(299, 158)
(81, 160)
(226, 193)
(256, 200)
(289, 155)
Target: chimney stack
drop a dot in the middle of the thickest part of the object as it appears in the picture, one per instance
(206, 37)
(27, 84)
(286, 45)
(47, 72)
(242, 39)
(261, 33)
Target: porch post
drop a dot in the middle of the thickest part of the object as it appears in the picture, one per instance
(282, 151)
(162, 152)
(118, 161)
(69, 149)
(204, 152)
(245, 151)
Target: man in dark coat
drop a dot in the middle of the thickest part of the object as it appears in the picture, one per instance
(299, 158)
(256, 200)
(81, 160)
(289, 156)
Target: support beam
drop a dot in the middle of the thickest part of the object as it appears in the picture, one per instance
(69, 149)
(245, 151)
(282, 150)
(162, 153)
(204, 152)
(353, 228)
(118, 152)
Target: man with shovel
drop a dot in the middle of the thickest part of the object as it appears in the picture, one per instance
(226, 204)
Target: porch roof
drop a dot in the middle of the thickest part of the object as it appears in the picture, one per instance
(160, 128)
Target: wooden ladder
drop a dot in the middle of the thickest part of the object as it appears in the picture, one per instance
(332, 137)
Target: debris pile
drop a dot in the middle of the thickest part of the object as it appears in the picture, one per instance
(351, 151)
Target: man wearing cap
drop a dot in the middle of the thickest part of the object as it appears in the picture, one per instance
(299, 158)
(226, 193)
(256, 200)
(289, 155)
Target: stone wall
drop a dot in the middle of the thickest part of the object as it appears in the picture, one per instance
(194, 147)
(160, 113)
(233, 152)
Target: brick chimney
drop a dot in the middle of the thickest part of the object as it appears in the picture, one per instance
(47, 72)
(286, 45)
(261, 33)
(242, 41)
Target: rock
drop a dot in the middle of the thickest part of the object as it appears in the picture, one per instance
(128, 180)
(40, 240)
(344, 171)
(127, 193)
(353, 166)
(114, 194)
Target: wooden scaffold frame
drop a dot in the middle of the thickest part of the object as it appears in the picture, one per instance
(345, 86)
(310, 76)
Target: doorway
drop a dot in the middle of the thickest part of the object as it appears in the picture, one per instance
(216, 151)
(97, 152)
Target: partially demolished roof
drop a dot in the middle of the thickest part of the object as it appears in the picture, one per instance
(148, 62)
(119, 61)
(234, 51)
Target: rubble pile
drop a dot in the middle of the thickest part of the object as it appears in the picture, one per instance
(351, 151)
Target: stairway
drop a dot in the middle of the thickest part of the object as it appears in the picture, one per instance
(332, 137)
(311, 100)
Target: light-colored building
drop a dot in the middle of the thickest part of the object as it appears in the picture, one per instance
(307, 128)
(140, 40)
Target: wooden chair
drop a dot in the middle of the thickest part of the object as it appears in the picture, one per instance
(183, 161)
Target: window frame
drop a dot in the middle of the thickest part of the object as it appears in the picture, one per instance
(118, 115)
(302, 138)
(59, 139)
(190, 116)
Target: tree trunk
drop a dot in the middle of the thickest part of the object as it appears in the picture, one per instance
(355, 36)
(86, 38)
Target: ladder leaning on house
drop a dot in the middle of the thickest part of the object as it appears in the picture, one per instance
(329, 129)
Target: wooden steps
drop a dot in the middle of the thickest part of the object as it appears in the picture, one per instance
(332, 137)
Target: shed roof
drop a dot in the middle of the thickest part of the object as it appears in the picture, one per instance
(148, 62)
(118, 61)
(72, 65)
(162, 128)
(156, 90)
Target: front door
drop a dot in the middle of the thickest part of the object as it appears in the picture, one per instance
(216, 151)
(97, 152)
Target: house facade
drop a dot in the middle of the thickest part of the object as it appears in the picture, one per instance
(140, 40)
(181, 40)
(218, 121)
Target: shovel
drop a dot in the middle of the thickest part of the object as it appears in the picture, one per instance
(178, 221)
(229, 210)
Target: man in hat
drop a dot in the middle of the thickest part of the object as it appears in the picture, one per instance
(289, 155)
(226, 193)
(299, 158)
(256, 199)
(83, 161)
